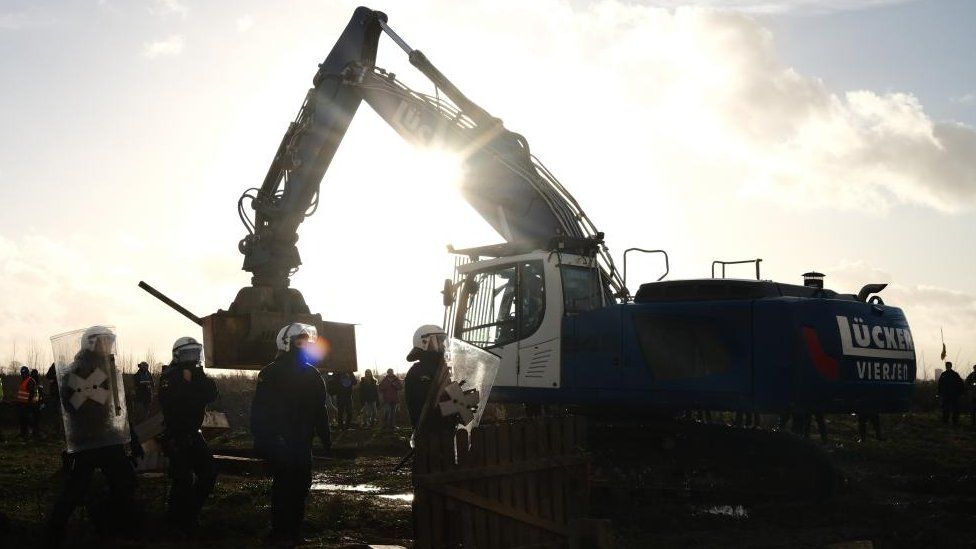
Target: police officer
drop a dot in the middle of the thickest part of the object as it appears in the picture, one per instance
(185, 390)
(971, 387)
(96, 430)
(52, 383)
(951, 387)
(144, 386)
(288, 411)
(427, 356)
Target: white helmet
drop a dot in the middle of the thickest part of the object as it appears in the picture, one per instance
(187, 349)
(92, 335)
(421, 338)
(287, 335)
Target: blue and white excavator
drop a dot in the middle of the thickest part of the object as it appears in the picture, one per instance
(549, 300)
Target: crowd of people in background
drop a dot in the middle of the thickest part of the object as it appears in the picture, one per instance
(378, 400)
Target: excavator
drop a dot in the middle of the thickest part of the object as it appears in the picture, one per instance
(549, 300)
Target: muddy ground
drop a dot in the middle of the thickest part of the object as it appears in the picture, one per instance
(915, 488)
(716, 487)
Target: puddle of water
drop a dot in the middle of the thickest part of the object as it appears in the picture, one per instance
(407, 498)
(734, 511)
(360, 488)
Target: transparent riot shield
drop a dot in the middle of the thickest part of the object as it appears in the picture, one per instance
(92, 395)
(472, 374)
(459, 395)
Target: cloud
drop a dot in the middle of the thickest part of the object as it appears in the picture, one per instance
(168, 7)
(930, 310)
(777, 6)
(18, 20)
(66, 282)
(702, 99)
(965, 99)
(244, 23)
(169, 46)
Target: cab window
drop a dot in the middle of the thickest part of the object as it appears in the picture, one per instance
(489, 308)
(503, 304)
(532, 289)
(582, 290)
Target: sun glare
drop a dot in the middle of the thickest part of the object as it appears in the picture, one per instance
(436, 170)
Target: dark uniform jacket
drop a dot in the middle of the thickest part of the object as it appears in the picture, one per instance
(971, 383)
(950, 385)
(289, 407)
(418, 380)
(184, 402)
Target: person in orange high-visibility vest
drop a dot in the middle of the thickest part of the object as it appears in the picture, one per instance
(3, 408)
(25, 400)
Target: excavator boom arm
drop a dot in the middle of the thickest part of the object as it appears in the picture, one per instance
(504, 183)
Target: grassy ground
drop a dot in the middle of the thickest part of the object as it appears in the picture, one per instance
(916, 488)
(237, 514)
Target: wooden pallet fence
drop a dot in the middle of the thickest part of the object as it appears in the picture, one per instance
(520, 483)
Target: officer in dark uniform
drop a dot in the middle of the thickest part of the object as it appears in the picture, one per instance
(52, 383)
(144, 387)
(287, 413)
(427, 355)
(185, 390)
(971, 387)
(951, 387)
(96, 430)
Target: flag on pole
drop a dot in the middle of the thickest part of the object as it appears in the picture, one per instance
(943, 345)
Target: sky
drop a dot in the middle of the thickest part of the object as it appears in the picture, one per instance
(835, 135)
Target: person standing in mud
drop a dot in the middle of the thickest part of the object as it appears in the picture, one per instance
(27, 397)
(144, 387)
(184, 393)
(971, 387)
(368, 395)
(951, 388)
(427, 356)
(390, 392)
(345, 384)
(96, 432)
(3, 409)
(287, 413)
(52, 383)
(39, 403)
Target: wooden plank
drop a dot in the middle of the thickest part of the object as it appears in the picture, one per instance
(491, 485)
(505, 482)
(570, 446)
(582, 475)
(467, 514)
(452, 509)
(558, 487)
(495, 507)
(532, 479)
(518, 481)
(475, 486)
(545, 476)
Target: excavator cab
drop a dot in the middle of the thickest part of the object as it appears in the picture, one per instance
(517, 305)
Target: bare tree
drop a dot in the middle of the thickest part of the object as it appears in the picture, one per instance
(12, 363)
(151, 360)
(33, 354)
